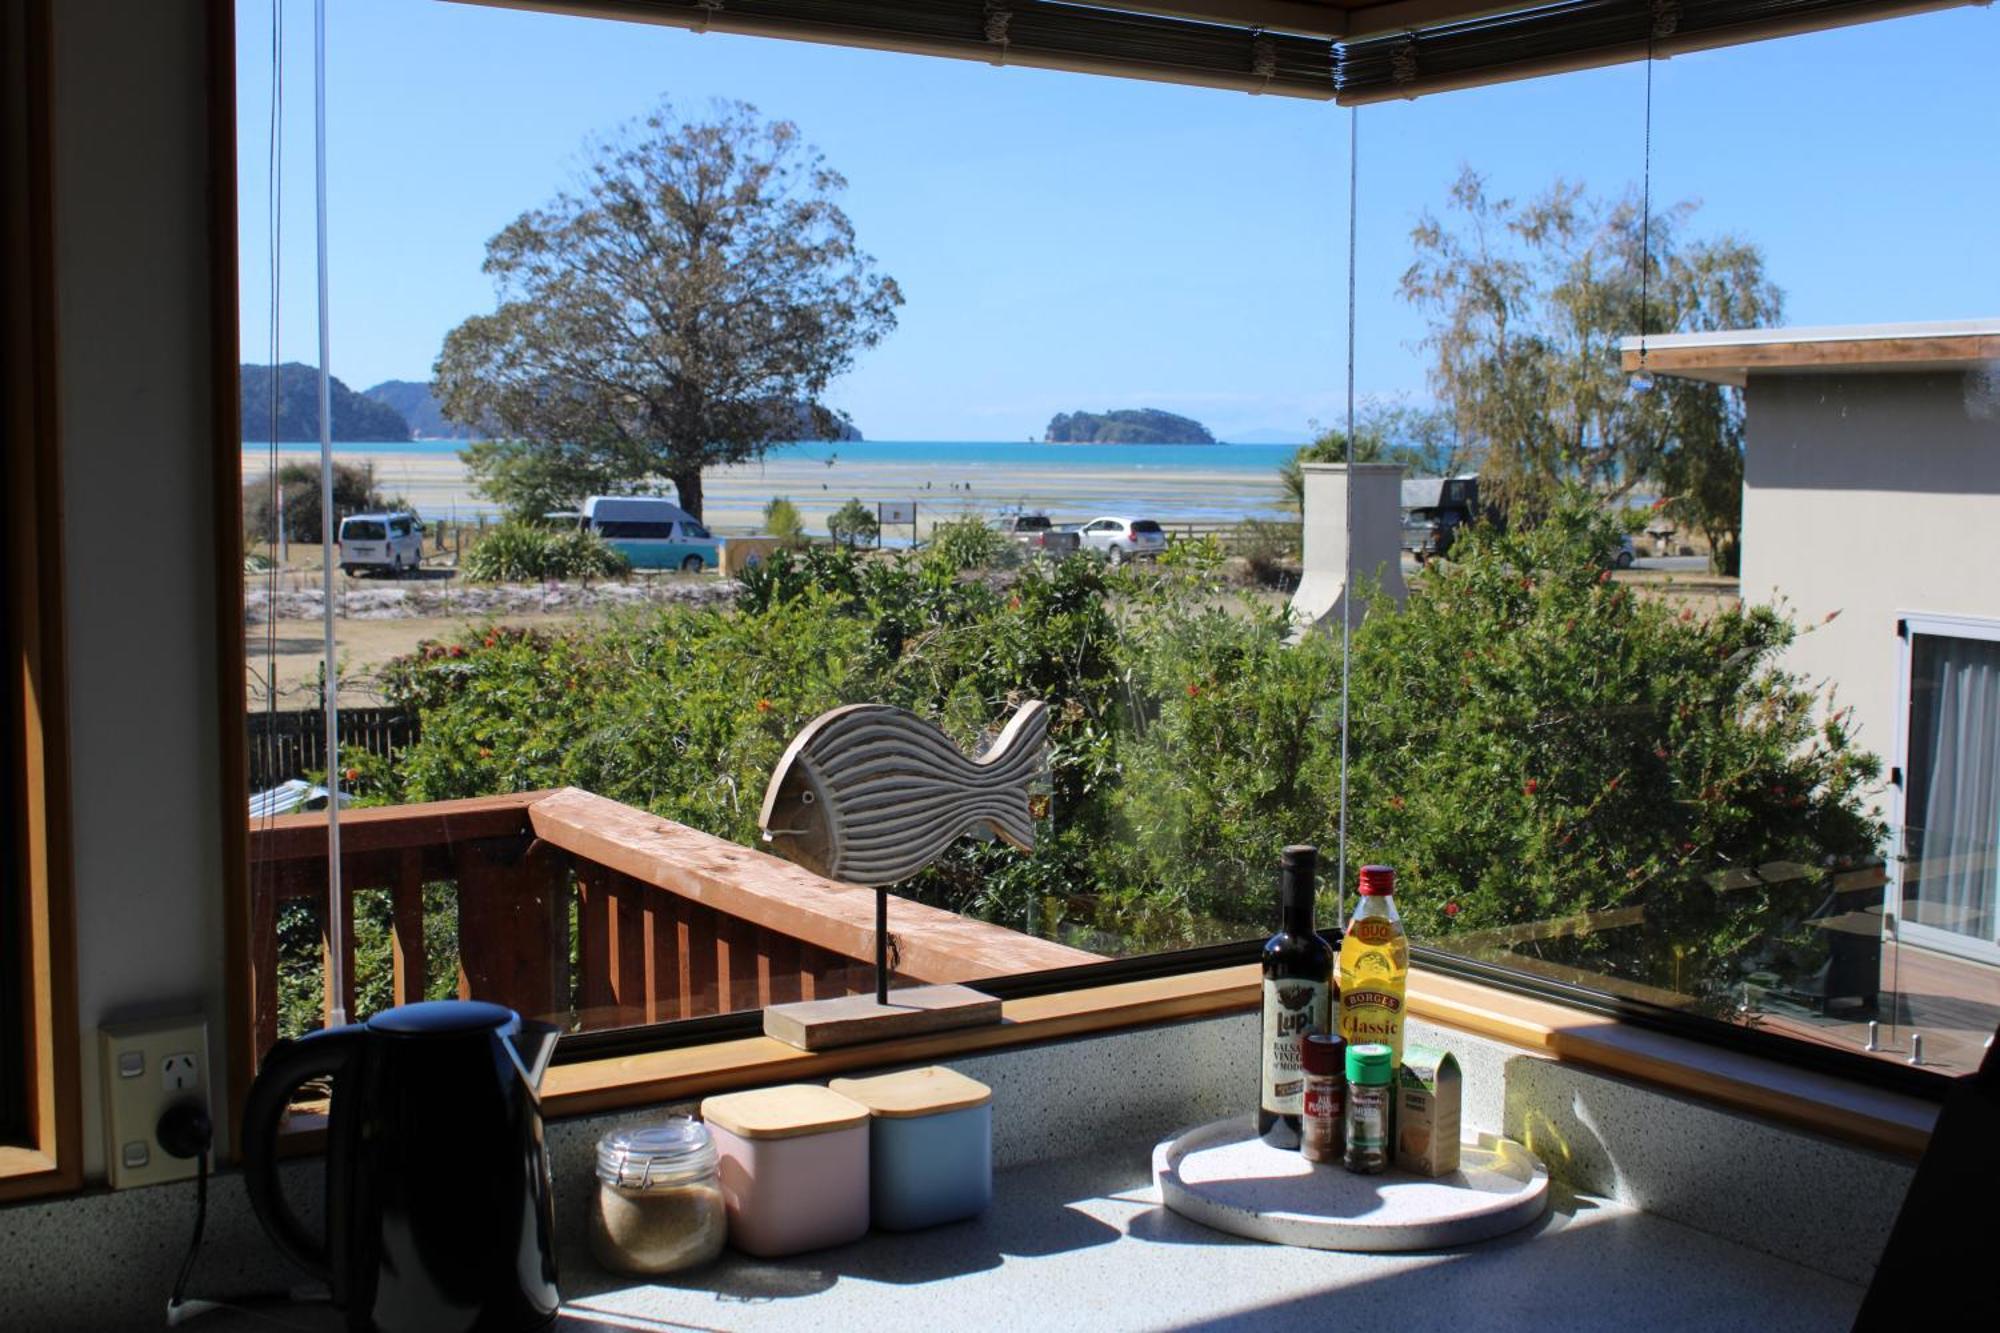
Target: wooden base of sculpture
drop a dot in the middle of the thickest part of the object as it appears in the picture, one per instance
(818, 1025)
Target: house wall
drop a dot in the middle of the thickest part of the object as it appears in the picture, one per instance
(130, 169)
(1870, 495)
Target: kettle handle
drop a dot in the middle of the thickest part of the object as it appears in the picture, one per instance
(287, 1065)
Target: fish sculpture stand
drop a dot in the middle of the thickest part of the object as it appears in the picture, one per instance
(871, 794)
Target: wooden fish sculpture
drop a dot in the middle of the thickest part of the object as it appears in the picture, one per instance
(872, 794)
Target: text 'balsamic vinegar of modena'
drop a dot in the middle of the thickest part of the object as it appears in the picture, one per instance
(1299, 996)
(1375, 967)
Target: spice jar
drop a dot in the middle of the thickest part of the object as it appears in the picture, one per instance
(659, 1199)
(1324, 1056)
(1368, 1073)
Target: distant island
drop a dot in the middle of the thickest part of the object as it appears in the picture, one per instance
(1130, 425)
(355, 416)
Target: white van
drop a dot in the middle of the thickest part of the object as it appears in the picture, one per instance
(375, 543)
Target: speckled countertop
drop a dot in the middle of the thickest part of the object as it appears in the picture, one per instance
(1083, 1244)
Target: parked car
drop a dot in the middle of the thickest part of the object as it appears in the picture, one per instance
(1626, 553)
(1038, 533)
(381, 543)
(1119, 539)
(652, 532)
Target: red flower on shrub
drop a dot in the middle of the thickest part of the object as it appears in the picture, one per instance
(492, 639)
(1395, 803)
(485, 753)
(1530, 787)
(1194, 691)
(1451, 908)
(763, 705)
(353, 775)
(1604, 576)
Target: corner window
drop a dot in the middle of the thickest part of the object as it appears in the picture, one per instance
(1603, 765)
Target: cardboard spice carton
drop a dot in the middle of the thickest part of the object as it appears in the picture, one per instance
(1427, 1100)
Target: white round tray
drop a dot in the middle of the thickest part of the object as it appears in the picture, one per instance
(1223, 1176)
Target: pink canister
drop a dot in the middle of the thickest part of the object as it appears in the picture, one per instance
(794, 1167)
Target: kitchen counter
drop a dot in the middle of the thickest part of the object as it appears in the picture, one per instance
(1084, 1244)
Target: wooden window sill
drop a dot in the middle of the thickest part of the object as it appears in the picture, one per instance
(27, 1173)
(1849, 1112)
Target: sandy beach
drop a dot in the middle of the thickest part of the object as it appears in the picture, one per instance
(436, 484)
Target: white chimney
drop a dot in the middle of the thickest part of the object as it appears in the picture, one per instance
(1376, 541)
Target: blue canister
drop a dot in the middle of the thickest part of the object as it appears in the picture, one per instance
(930, 1151)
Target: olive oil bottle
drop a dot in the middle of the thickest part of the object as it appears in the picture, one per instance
(1374, 967)
(1298, 997)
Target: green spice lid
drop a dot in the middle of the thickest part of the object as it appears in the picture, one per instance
(1368, 1063)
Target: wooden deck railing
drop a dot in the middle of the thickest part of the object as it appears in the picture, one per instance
(670, 922)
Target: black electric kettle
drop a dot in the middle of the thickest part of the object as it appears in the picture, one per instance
(439, 1214)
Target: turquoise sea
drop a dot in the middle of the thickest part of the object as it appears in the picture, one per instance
(959, 453)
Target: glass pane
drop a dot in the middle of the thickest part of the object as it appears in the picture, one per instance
(1950, 875)
(1623, 668)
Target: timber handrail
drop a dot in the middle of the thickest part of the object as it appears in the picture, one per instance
(670, 922)
(931, 943)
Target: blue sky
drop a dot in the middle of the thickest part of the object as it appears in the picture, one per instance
(1066, 241)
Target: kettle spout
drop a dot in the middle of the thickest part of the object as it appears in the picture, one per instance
(531, 1048)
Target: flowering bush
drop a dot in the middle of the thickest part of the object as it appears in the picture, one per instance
(1532, 744)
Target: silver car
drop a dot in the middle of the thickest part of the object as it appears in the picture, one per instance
(1119, 539)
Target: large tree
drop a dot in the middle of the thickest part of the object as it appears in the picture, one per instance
(669, 313)
(1528, 300)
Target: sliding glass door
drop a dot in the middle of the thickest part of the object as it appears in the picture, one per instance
(1949, 889)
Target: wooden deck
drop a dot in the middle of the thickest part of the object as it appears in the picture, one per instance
(669, 922)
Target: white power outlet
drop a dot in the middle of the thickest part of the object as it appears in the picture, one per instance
(180, 1072)
(146, 1068)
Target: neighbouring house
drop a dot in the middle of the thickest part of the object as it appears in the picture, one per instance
(1871, 509)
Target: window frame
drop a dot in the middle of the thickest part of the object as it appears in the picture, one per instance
(39, 945)
(600, 1070)
(1936, 625)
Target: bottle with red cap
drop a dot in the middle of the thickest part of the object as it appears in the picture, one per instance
(1374, 966)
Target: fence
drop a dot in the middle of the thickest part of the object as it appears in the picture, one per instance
(289, 744)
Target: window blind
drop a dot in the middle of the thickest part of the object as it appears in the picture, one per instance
(1042, 33)
(1393, 49)
(1574, 34)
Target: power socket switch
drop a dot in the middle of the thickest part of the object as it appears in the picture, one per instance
(146, 1068)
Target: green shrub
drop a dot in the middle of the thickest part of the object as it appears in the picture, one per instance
(853, 523)
(518, 552)
(970, 542)
(1271, 550)
(354, 492)
(782, 520)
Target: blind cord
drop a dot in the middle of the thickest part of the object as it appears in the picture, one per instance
(1347, 569)
(336, 919)
(1646, 210)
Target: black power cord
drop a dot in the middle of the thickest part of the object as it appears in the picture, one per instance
(185, 1131)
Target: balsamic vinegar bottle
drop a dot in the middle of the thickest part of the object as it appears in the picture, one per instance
(1298, 997)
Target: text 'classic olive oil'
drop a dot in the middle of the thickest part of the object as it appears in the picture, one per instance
(1374, 967)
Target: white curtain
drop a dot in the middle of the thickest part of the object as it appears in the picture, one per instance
(1955, 765)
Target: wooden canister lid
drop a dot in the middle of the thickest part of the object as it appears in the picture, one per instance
(915, 1092)
(786, 1112)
